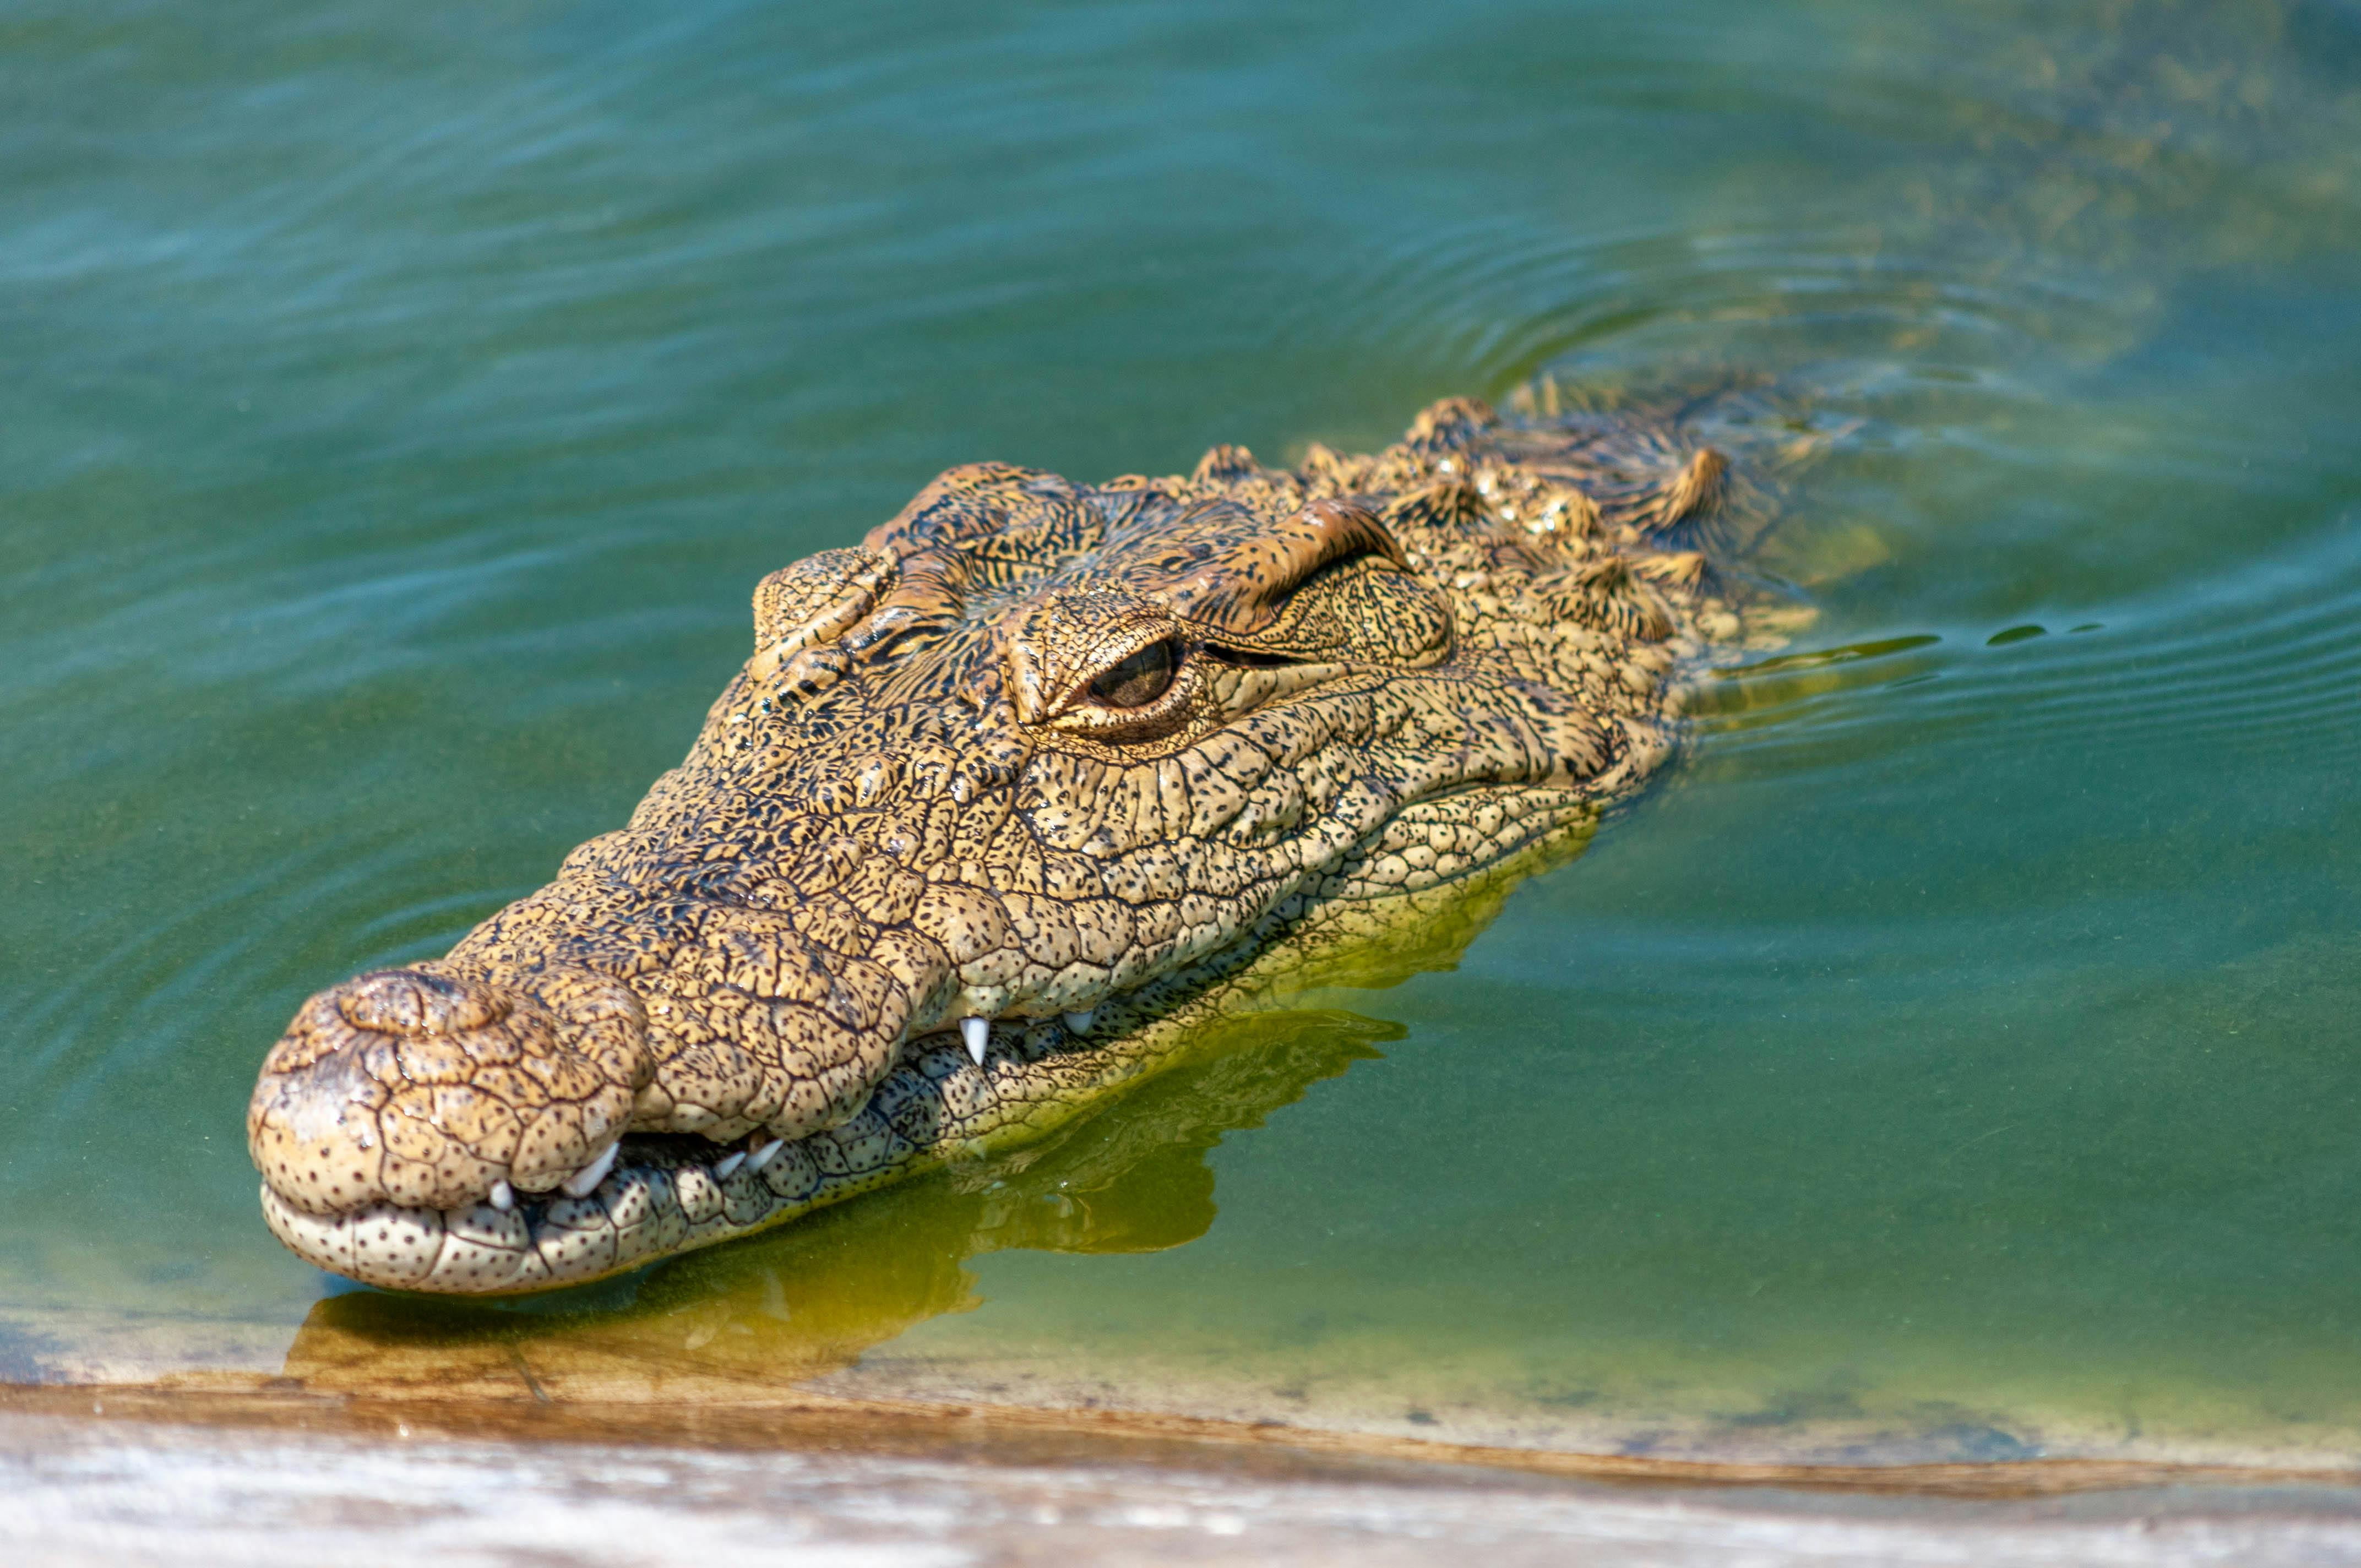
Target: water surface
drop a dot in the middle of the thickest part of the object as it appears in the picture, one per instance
(1953, 1058)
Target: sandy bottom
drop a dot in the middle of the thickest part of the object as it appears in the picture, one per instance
(716, 1353)
(379, 1430)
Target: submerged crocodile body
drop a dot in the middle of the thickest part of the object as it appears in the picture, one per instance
(1011, 798)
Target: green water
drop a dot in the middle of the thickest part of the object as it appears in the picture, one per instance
(1957, 1056)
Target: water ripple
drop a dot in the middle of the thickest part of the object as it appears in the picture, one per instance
(2263, 660)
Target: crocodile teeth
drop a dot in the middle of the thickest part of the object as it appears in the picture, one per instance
(727, 1165)
(503, 1196)
(765, 1154)
(1080, 1022)
(977, 1033)
(581, 1183)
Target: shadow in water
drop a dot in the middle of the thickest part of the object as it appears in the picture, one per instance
(754, 1316)
(810, 1298)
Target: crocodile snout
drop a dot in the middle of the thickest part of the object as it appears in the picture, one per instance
(426, 1088)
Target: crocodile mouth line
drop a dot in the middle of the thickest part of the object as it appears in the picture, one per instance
(954, 1092)
(648, 1195)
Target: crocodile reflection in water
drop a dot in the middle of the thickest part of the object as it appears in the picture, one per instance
(1012, 802)
(808, 1299)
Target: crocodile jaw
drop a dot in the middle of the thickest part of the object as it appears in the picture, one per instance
(669, 1194)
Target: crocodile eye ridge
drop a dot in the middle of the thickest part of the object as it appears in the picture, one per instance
(1140, 679)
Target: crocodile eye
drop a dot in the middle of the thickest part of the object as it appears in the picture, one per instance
(1139, 680)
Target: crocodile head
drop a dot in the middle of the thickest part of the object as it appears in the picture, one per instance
(1004, 792)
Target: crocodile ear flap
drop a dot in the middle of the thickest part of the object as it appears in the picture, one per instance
(1246, 590)
(1329, 584)
(816, 601)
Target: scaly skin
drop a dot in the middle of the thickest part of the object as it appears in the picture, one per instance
(1094, 764)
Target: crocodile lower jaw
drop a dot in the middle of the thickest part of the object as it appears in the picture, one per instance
(946, 1100)
(669, 1193)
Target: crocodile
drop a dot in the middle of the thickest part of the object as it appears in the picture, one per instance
(1011, 799)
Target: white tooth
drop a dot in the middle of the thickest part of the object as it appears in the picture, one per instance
(1080, 1022)
(503, 1196)
(765, 1154)
(977, 1033)
(727, 1165)
(582, 1181)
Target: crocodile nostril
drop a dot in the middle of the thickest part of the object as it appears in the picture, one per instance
(411, 1002)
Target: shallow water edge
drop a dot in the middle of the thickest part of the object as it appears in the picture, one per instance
(366, 1358)
(512, 1401)
(145, 1489)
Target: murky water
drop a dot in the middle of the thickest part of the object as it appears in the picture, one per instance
(1956, 1057)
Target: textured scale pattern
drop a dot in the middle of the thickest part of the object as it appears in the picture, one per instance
(1351, 687)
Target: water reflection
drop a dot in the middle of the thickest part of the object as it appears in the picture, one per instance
(810, 1298)
(1129, 1176)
